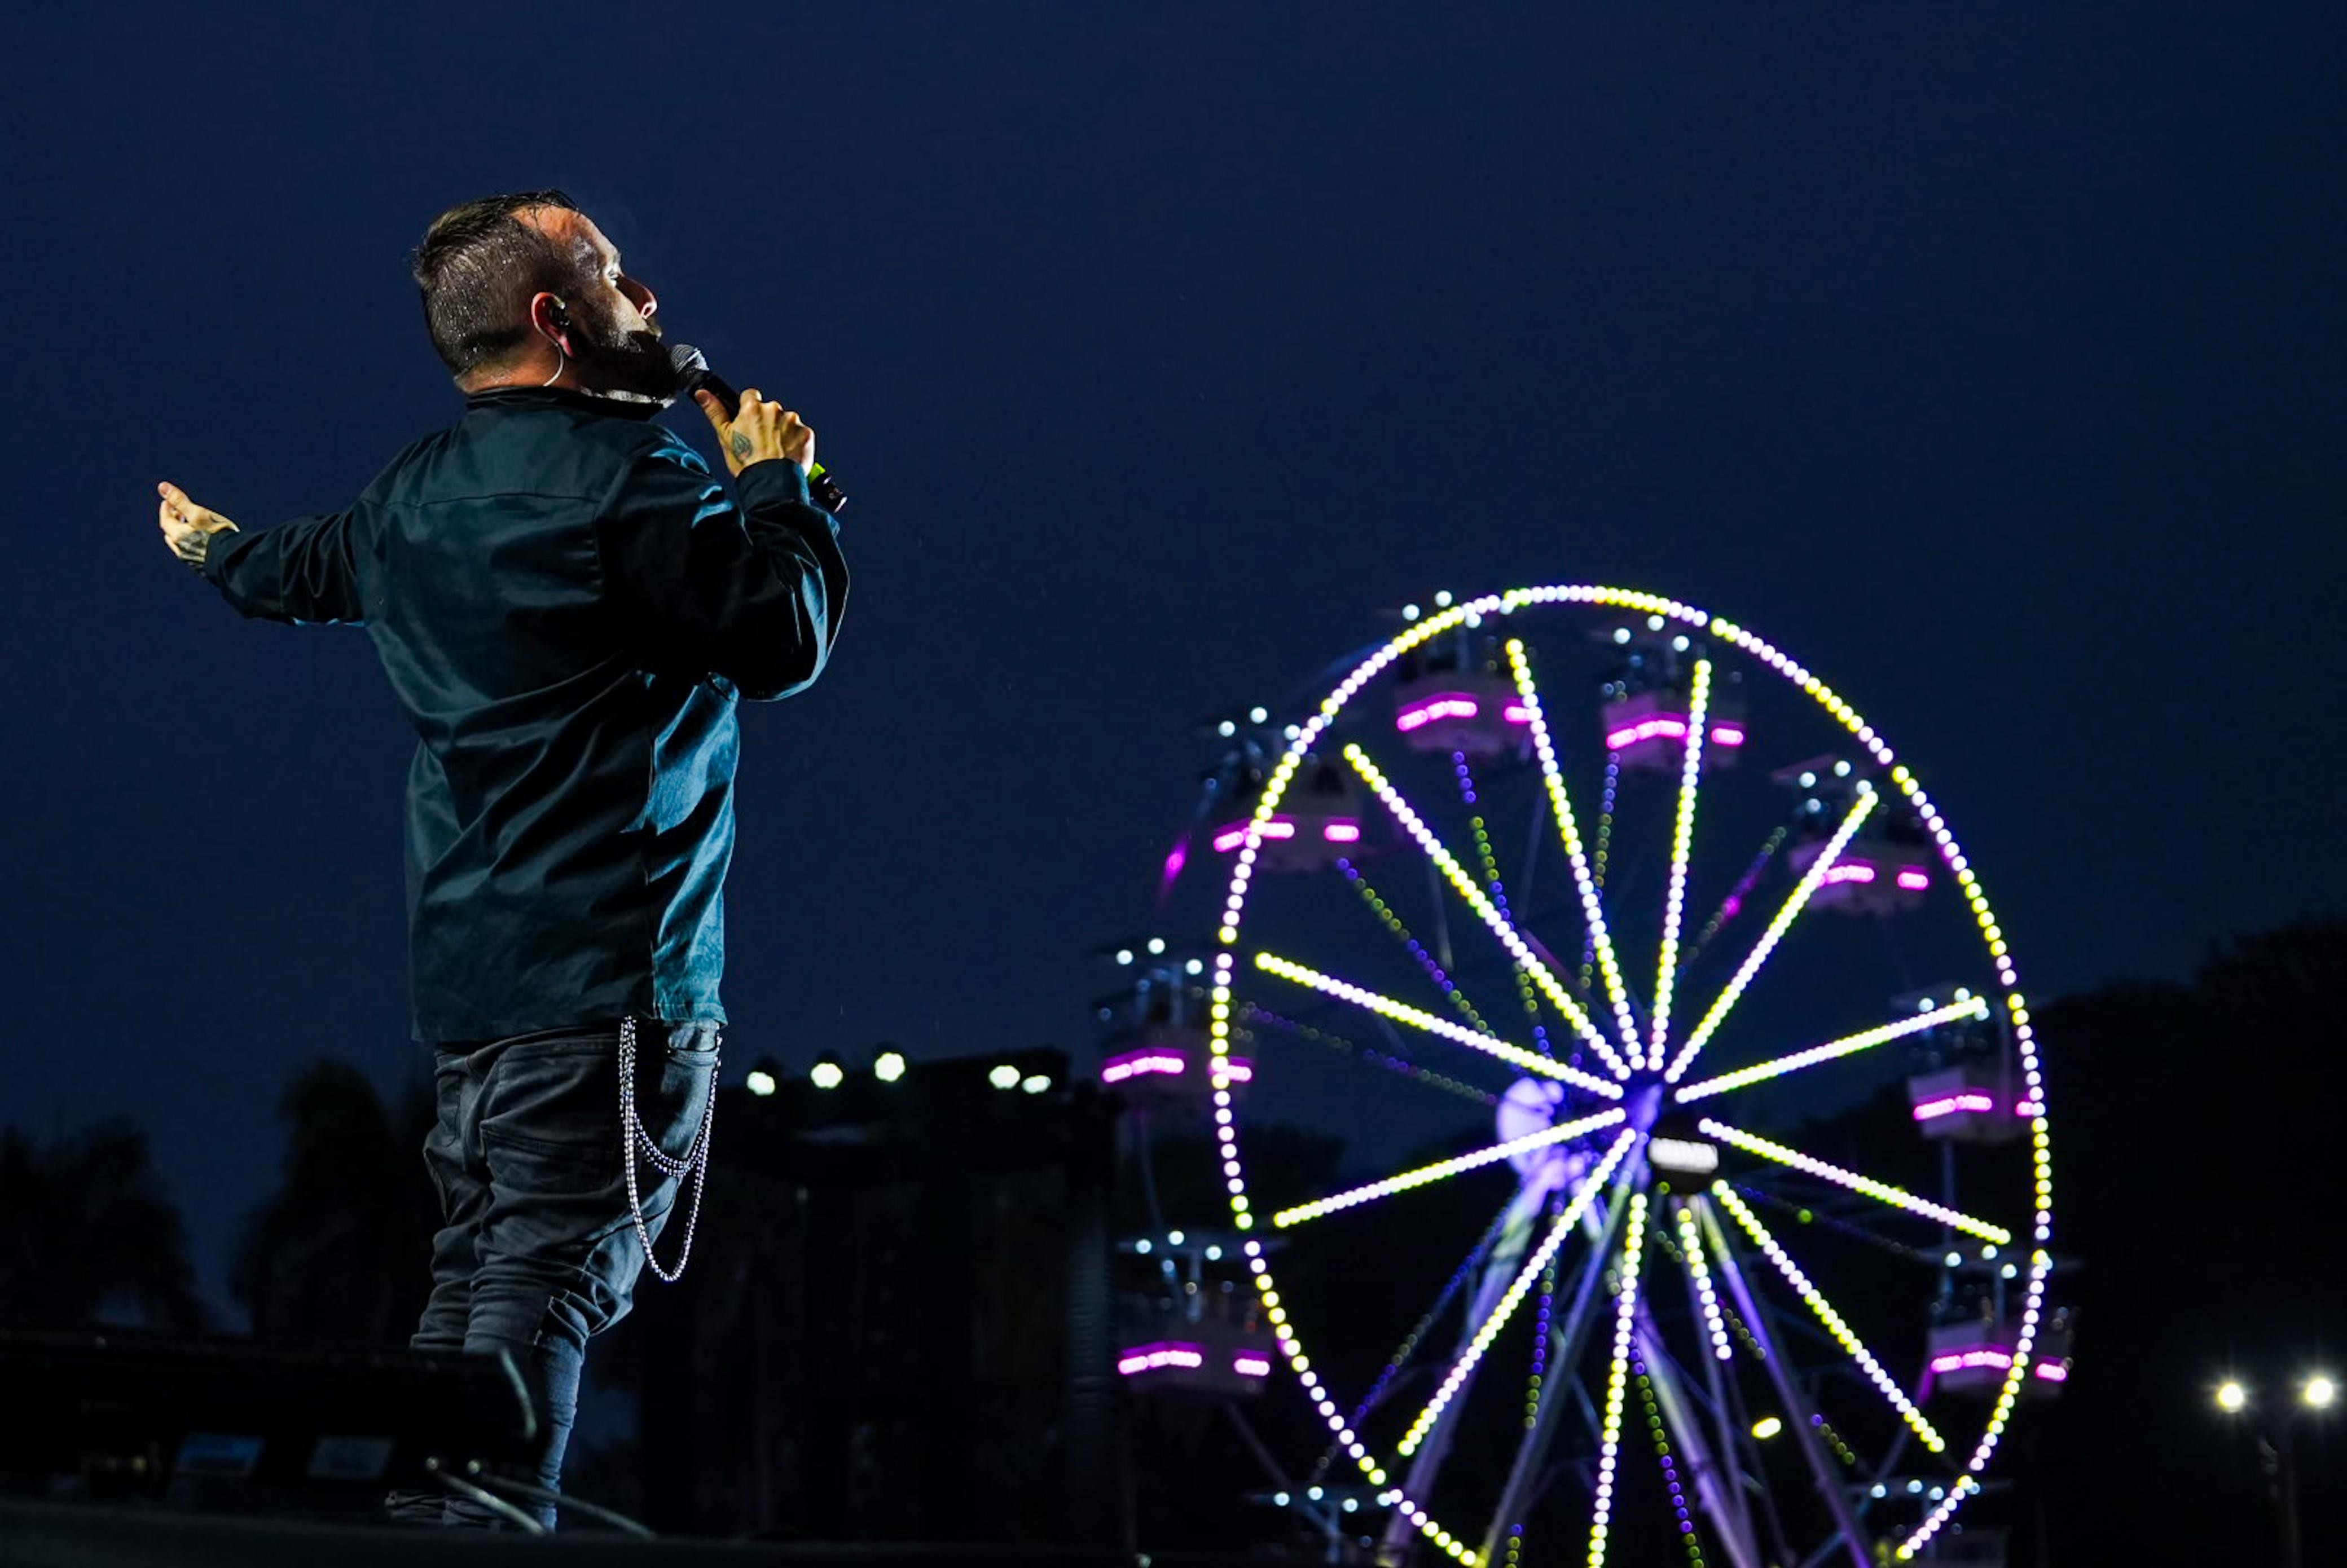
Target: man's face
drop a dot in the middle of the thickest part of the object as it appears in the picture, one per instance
(614, 339)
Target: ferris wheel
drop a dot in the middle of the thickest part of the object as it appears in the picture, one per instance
(1629, 886)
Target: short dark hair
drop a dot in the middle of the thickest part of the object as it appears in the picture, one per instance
(478, 266)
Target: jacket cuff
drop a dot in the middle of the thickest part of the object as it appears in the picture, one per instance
(216, 548)
(775, 479)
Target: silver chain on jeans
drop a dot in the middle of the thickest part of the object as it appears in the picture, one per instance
(632, 1135)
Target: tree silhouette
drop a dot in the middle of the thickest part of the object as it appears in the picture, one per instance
(85, 1227)
(341, 1250)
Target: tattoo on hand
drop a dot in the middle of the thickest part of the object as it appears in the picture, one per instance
(741, 446)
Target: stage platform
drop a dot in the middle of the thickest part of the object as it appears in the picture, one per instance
(69, 1535)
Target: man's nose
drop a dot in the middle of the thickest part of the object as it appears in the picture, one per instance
(646, 300)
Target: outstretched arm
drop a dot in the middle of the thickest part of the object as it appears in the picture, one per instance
(299, 572)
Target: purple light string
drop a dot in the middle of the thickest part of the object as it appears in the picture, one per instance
(1500, 900)
(1257, 1013)
(1662, 1453)
(1733, 905)
(1536, 1389)
(1417, 949)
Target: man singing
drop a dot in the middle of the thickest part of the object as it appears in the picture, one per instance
(568, 606)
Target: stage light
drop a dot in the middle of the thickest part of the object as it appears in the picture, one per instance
(2320, 1393)
(1035, 1083)
(1004, 1077)
(2231, 1397)
(1766, 1427)
(761, 1082)
(1156, 945)
(826, 1072)
(888, 1066)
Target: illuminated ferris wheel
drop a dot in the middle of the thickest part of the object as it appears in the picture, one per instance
(1674, 917)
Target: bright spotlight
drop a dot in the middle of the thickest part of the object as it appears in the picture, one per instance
(1004, 1077)
(760, 1082)
(826, 1075)
(2320, 1392)
(2231, 1397)
(1766, 1427)
(888, 1066)
(1035, 1083)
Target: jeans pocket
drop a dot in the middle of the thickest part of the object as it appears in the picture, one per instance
(557, 1098)
(674, 1083)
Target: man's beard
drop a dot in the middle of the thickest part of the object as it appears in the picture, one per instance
(624, 362)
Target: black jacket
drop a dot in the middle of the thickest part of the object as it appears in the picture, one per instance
(568, 607)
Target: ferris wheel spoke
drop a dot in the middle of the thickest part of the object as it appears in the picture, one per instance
(1394, 925)
(1666, 964)
(1743, 1077)
(1795, 902)
(1866, 1187)
(1534, 1267)
(1825, 1315)
(1618, 1377)
(1419, 1019)
(1542, 976)
(1592, 907)
(1426, 1175)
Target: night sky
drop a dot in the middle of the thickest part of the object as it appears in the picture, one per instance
(1988, 360)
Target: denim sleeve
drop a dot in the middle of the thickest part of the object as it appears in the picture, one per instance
(304, 573)
(751, 592)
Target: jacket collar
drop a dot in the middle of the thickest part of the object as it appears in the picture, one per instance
(560, 397)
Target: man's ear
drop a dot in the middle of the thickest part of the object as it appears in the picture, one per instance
(549, 316)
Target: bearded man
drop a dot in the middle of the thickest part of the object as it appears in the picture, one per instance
(569, 609)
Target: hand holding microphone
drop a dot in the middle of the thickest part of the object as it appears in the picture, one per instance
(751, 429)
(757, 431)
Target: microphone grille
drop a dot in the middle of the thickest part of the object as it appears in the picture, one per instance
(684, 357)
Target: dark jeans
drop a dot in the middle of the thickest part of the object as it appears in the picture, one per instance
(538, 1251)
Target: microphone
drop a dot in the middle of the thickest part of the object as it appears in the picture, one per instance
(694, 374)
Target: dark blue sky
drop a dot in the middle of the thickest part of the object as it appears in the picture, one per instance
(1986, 357)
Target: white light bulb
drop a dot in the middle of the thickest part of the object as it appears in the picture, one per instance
(760, 1082)
(2320, 1392)
(1227, 729)
(1156, 944)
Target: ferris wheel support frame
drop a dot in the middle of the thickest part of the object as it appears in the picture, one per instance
(1738, 1509)
(1716, 1480)
(1567, 1341)
(1829, 1483)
